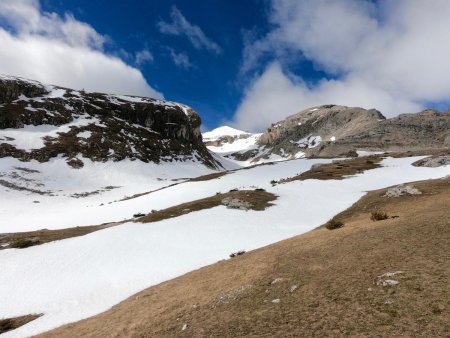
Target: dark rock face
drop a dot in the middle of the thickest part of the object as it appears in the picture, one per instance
(331, 130)
(100, 126)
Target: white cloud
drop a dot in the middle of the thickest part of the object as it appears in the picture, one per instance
(143, 56)
(275, 95)
(180, 59)
(62, 51)
(181, 26)
(392, 56)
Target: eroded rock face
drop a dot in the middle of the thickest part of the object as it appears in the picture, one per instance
(326, 121)
(331, 130)
(97, 126)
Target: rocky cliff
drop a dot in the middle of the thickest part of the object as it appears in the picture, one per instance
(334, 131)
(40, 121)
(309, 130)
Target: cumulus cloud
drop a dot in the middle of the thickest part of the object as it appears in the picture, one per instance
(275, 95)
(181, 26)
(391, 56)
(62, 51)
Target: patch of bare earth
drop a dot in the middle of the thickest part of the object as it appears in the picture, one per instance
(366, 279)
(337, 170)
(9, 324)
(22, 240)
(208, 177)
(257, 199)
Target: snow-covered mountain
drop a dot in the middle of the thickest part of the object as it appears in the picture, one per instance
(229, 142)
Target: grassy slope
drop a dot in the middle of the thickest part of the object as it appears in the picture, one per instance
(335, 272)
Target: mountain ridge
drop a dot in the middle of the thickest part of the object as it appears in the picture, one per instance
(97, 126)
(340, 131)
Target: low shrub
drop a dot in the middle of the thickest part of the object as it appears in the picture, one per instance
(235, 254)
(378, 215)
(334, 224)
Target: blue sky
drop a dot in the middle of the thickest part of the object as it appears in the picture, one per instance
(245, 63)
(211, 83)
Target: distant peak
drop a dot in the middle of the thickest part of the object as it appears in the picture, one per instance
(223, 131)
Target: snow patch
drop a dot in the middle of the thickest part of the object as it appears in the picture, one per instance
(85, 134)
(308, 142)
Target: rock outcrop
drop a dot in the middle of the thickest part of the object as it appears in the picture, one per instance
(333, 131)
(97, 126)
(309, 130)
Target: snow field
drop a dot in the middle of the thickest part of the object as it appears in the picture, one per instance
(75, 278)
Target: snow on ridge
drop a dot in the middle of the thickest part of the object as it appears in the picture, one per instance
(55, 91)
(18, 78)
(223, 131)
(184, 108)
(142, 99)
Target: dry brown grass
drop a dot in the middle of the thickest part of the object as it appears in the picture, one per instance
(338, 170)
(22, 240)
(208, 177)
(328, 285)
(9, 324)
(259, 200)
(419, 152)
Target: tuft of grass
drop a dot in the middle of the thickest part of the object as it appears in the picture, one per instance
(22, 243)
(235, 254)
(378, 215)
(334, 224)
